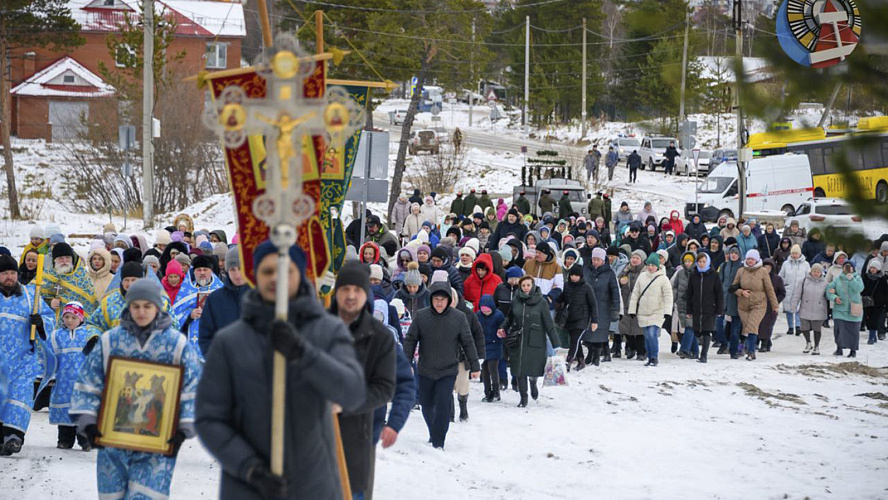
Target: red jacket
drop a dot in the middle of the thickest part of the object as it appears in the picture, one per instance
(474, 287)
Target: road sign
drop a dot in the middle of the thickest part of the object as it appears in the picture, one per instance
(491, 96)
(696, 154)
(379, 156)
(436, 118)
(524, 149)
(377, 190)
(436, 110)
(127, 136)
(126, 169)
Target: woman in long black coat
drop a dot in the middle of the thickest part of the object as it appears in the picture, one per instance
(766, 327)
(705, 302)
(599, 275)
(578, 308)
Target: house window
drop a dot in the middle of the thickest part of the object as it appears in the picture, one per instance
(125, 57)
(217, 55)
(68, 79)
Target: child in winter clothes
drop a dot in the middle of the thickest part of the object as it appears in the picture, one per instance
(490, 318)
(67, 344)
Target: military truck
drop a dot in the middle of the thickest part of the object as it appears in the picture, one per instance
(576, 191)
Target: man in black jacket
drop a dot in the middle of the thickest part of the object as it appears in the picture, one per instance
(233, 406)
(375, 349)
(440, 331)
(223, 306)
(509, 225)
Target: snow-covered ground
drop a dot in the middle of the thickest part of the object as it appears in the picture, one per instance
(787, 426)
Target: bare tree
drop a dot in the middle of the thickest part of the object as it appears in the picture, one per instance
(437, 172)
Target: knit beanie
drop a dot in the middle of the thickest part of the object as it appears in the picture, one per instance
(7, 263)
(220, 250)
(439, 276)
(576, 271)
(202, 261)
(613, 251)
(51, 229)
(643, 255)
(795, 249)
(232, 258)
(162, 237)
(514, 272)
(37, 232)
(131, 270)
(183, 259)
(599, 253)
(354, 273)
(376, 272)
(150, 259)
(818, 267)
(753, 254)
(56, 238)
(267, 247)
(132, 255)
(412, 277)
(506, 253)
(440, 253)
(75, 308)
(653, 260)
(467, 251)
(144, 289)
(173, 267)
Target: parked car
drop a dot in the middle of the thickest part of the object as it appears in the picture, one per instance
(399, 116)
(703, 163)
(653, 149)
(625, 145)
(424, 140)
(823, 212)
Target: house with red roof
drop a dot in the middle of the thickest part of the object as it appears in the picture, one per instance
(53, 94)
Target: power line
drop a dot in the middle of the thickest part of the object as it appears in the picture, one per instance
(407, 11)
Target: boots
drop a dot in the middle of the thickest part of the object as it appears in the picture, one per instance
(723, 349)
(816, 351)
(808, 348)
(463, 408)
(568, 362)
(581, 363)
(853, 354)
(523, 403)
(11, 445)
(674, 347)
(798, 331)
(630, 352)
(534, 392)
(595, 356)
(495, 394)
(872, 338)
(607, 355)
(838, 351)
(588, 359)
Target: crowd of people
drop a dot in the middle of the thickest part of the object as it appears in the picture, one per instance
(425, 302)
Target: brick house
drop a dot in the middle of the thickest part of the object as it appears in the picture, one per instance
(52, 92)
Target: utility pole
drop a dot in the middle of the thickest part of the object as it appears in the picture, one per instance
(471, 75)
(738, 74)
(148, 114)
(583, 128)
(684, 68)
(526, 71)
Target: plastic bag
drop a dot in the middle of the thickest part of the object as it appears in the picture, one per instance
(555, 372)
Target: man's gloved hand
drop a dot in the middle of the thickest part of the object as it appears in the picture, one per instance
(668, 319)
(37, 320)
(266, 483)
(92, 433)
(177, 440)
(286, 340)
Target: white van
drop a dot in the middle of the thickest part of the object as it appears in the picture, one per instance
(779, 182)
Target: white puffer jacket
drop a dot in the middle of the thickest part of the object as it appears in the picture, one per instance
(793, 272)
(656, 303)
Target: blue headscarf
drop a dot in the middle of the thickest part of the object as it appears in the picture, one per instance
(708, 261)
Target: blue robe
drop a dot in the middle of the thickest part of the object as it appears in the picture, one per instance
(186, 301)
(134, 474)
(67, 345)
(75, 286)
(20, 360)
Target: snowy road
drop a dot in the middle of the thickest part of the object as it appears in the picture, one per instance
(787, 426)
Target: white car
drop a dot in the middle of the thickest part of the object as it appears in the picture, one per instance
(625, 146)
(399, 116)
(652, 152)
(703, 163)
(824, 212)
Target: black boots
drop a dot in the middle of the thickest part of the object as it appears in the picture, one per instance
(630, 352)
(581, 363)
(674, 347)
(596, 357)
(853, 354)
(534, 392)
(463, 408)
(607, 355)
(651, 362)
(523, 402)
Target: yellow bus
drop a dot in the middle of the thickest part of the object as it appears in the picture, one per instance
(870, 163)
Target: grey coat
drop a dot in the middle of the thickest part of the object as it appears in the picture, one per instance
(793, 272)
(810, 298)
(629, 326)
(607, 296)
(233, 407)
(679, 287)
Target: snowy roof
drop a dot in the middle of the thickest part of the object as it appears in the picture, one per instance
(51, 82)
(755, 69)
(193, 17)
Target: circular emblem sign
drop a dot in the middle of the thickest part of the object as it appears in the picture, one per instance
(818, 33)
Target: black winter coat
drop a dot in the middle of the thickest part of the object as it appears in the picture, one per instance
(502, 295)
(579, 300)
(233, 406)
(768, 244)
(440, 337)
(375, 350)
(223, 307)
(607, 297)
(503, 229)
(704, 299)
(474, 327)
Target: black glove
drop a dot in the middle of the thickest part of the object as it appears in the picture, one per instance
(266, 483)
(92, 432)
(631, 315)
(668, 319)
(37, 320)
(177, 440)
(286, 340)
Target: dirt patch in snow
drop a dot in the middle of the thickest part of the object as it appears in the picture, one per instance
(836, 370)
